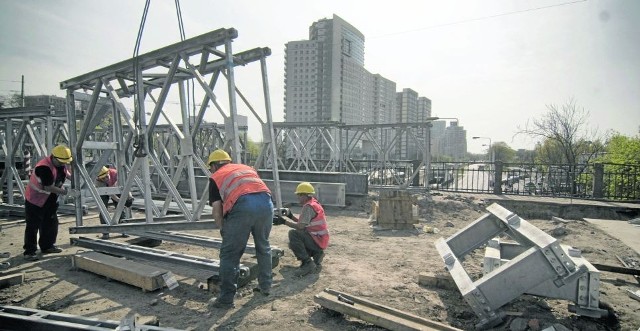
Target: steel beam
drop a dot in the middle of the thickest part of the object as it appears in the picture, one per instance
(21, 318)
(536, 265)
(153, 254)
(154, 226)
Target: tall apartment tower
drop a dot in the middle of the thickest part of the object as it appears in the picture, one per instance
(455, 141)
(325, 79)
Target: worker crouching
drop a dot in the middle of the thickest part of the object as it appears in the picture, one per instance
(309, 236)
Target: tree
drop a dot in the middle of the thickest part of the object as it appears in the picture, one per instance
(10, 101)
(622, 163)
(566, 136)
(502, 152)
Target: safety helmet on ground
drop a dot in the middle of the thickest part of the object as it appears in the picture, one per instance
(218, 155)
(104, 172)
(62, 153)
(305, 188)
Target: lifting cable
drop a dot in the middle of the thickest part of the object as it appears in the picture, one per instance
(190, 84)
(138, 104)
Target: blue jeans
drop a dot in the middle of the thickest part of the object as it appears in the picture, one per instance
(251, 214)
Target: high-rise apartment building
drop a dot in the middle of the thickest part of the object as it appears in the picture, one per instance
(325, 79)
(455, 141)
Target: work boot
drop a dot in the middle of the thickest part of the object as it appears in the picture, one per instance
(105, 236)
(318, 257)
(30, 256)
(51, 250)
(221, 305)
(307, 267)
(259, 290)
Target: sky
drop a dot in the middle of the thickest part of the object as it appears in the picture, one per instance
(495, 65)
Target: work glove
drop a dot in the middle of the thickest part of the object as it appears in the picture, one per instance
(129, 202)
(278, 220)
(289, 214)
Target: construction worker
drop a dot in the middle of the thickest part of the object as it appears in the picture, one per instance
(108, 177)
(242, 205)
(309, 236)
(41, 202)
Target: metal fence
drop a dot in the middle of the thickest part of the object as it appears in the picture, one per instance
(608, 181)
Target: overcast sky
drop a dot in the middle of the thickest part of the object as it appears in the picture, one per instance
(493, 64)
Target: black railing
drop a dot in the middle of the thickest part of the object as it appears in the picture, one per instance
(620, 182)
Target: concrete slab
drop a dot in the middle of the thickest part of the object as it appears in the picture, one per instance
(623, 230)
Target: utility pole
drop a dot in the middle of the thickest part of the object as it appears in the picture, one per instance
(22, 93)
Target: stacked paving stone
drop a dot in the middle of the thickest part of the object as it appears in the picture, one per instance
(395, 210)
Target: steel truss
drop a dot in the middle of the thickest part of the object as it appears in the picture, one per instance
(298, 143)
(539, 266)
(29, 131)
(138, 143)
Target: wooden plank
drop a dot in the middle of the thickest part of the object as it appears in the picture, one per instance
(619, 270)
(10, 280)
(374, 313)
(147, 277)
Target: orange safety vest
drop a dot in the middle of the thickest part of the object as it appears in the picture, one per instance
(235, 180)
(317, 228)
(35, 192)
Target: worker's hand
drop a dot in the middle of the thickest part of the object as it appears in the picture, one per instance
(289, 214)
(129, 202)
(278, 220)
(73, 193)
(64, 191)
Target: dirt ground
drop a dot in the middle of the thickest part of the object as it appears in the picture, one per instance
(378, 265)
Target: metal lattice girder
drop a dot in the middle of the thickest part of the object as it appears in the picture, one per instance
(21, 318)
(153, 254)
(26, 130)
(329, 147)
(538, 266)
(138, 145)
(203, 241)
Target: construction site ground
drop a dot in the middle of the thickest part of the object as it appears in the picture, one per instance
(378, 265)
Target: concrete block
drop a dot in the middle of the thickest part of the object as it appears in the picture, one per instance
(10, 280)
(148, 278)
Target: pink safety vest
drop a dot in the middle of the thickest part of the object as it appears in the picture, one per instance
(113, 177)
(235, 180)
(317, 228)
(35, 192)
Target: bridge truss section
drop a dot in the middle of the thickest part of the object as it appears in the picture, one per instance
(27, 135)
(137, 143)
(302, 144)
(539, 266)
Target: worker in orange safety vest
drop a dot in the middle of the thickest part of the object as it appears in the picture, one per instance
(241, 205)
(309, 236)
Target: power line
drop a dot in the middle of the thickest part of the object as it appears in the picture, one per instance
(480, 18)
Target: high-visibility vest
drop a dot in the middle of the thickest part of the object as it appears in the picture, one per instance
(35, 192)
(235, 180)
(318, 228)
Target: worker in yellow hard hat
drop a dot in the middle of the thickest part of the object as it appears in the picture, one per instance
(41, 202)
(241, 205)
(309, 236)
(108, 177)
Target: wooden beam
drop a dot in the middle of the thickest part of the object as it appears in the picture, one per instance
(374, 313)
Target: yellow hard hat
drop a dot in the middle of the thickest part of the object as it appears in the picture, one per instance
(218, 155)
(104, 171)
(62, 153)
(305, 188)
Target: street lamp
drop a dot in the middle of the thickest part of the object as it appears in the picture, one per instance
(492, 156)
